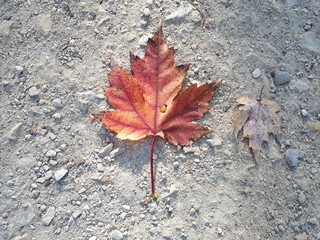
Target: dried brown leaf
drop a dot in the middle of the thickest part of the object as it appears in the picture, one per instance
(258, 119)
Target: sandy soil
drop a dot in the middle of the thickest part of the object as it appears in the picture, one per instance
(57, 183)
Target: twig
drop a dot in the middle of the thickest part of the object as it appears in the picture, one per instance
(203, 17)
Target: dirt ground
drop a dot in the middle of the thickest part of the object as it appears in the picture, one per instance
(62, 177)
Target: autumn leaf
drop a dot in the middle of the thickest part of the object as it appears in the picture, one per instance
(258, 119)
(148, 102)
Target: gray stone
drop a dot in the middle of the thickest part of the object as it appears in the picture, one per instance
(95, 197)
(146, 12)
(291, 3)
(5, 27)
(116, 235)
(281, 78)
(304, 113)
(292, 157)
(76, 214)
(19, 69)
(302, 198)
(178, 15)
(126, 208)
(33, 92)
(129, 37)
(256, 73)
(176, 165)
(44, 22)
(195, 16)
(57, 103)
(100, 167)
(26, 217)
(51, 154)
(60, 174)
(41, 180)
(214, 142)
(310, 41)
(299, 85)
(106, 150)
(57, 116)
(48, 175)
(47, 218)
(302, 236)
(116, 152)
(14, 133)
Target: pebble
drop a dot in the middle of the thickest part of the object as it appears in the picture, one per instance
(292, 157)
(178, 15)
(302, 236)
(304, 113)
(48, 175)
(93, 238)
(57, 103)
(19, 69)
(51, 153)
(146, 12)
(309, 41)
(60, 174)
(10, 183)
(126, 208)
(14, 133)
(43, 131)
(256, 73)
(175, 165)
(214, 142)
(41, 180)
(302, 198)
(100, 167)
(116, 152)
(5, 28)
(57, 116)
(105, 151)
(47, 218)
(281, 78)
(76, 214)
(33, 92)
(95, 197)
(116, 235)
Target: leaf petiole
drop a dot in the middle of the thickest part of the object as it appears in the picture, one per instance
(154, 196)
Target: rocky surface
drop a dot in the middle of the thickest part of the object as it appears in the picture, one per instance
(62, 177)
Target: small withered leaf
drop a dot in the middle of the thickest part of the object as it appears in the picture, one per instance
(257, 119)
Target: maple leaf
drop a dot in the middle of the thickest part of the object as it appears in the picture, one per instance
(148, 102)
(258, 119)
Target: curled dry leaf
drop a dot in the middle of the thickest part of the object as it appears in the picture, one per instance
(149, 102)
(258, 119)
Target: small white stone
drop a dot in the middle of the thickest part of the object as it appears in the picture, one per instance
(304, 113)
(100, 167)
(57, 116)
(60, 174)
(48, 175)
(256, 73)
(19, 69)
(146, 12)
(33, 92)
(51, 153)
(126, 208)
(57, 103)
(47, 218)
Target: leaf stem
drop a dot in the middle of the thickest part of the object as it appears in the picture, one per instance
(154, 196)
(259, 101)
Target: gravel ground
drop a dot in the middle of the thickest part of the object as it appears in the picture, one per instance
(64, 178)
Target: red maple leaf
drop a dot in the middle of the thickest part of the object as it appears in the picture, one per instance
(148, 102)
